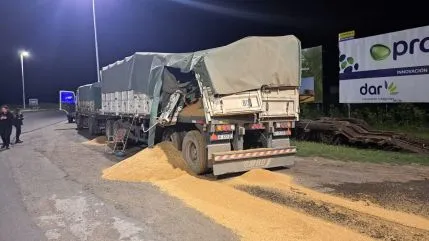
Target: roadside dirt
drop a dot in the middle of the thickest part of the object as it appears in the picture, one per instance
(412, 196)
(374, 227)
(317, 172)
(285, 184)
(397, 187)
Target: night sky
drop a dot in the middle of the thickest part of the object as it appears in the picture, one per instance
(59, 33)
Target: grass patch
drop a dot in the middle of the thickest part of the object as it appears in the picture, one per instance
(419, 132)
(344, 153)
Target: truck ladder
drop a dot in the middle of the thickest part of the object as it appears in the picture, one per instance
(120, 138)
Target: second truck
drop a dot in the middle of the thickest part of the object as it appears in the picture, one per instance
(228, 109)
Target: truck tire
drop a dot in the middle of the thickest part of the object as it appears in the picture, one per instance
(70, 119)
(92, 126)
(79, 122)
(194, 152)
(174, 137)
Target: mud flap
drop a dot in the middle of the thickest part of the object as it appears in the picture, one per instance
(233, 162)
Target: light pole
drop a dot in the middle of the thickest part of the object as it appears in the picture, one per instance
(96, 40)
(23, 54)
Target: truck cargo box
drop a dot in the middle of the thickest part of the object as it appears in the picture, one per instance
(237, 68)
(250, 63)
(89, 98)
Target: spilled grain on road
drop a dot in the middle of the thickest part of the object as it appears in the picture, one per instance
(253, 216)
(98, 141)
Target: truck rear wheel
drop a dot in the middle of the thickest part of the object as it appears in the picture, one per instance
(174, 137)
(194, 152)
(92, 126)
(79, 122)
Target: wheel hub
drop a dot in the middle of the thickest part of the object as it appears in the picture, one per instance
(193, 152)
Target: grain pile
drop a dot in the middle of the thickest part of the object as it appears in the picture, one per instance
(98, 141)
(194, 109)
(250, 217)
(163, 162)
(263, 205)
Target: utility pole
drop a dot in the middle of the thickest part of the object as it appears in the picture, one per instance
(23, 54)
(96, 40)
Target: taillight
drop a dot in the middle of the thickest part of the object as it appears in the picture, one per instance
(220, 128)
(283, 125)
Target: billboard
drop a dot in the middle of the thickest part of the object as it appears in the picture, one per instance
(311, 89)
(33, 102)
(385, 68)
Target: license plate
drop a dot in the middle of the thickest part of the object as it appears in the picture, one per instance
(256, 163)
(279, 133)
(224, 136)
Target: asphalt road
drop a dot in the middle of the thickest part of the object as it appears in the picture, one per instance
(51, 189)
(15, 222)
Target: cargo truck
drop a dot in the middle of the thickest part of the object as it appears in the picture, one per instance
(228, 109)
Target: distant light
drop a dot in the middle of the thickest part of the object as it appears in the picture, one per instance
(24, 53)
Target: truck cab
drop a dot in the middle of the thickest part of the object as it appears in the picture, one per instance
(67, 103)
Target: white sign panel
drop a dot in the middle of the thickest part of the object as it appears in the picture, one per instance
(33, 102)
(385, 68)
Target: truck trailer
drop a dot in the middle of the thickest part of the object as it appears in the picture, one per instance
(228, 109)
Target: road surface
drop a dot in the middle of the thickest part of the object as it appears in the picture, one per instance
(15, 222)
(50, 189)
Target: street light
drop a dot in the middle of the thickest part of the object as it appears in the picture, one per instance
(23, 54)
(96, 40)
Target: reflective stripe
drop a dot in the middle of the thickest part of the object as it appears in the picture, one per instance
(253, 154)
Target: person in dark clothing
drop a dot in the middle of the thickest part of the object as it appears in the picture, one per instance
(18, 123)
(6, 122)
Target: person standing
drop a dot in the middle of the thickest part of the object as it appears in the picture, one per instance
(6, 122)
(19, 117)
